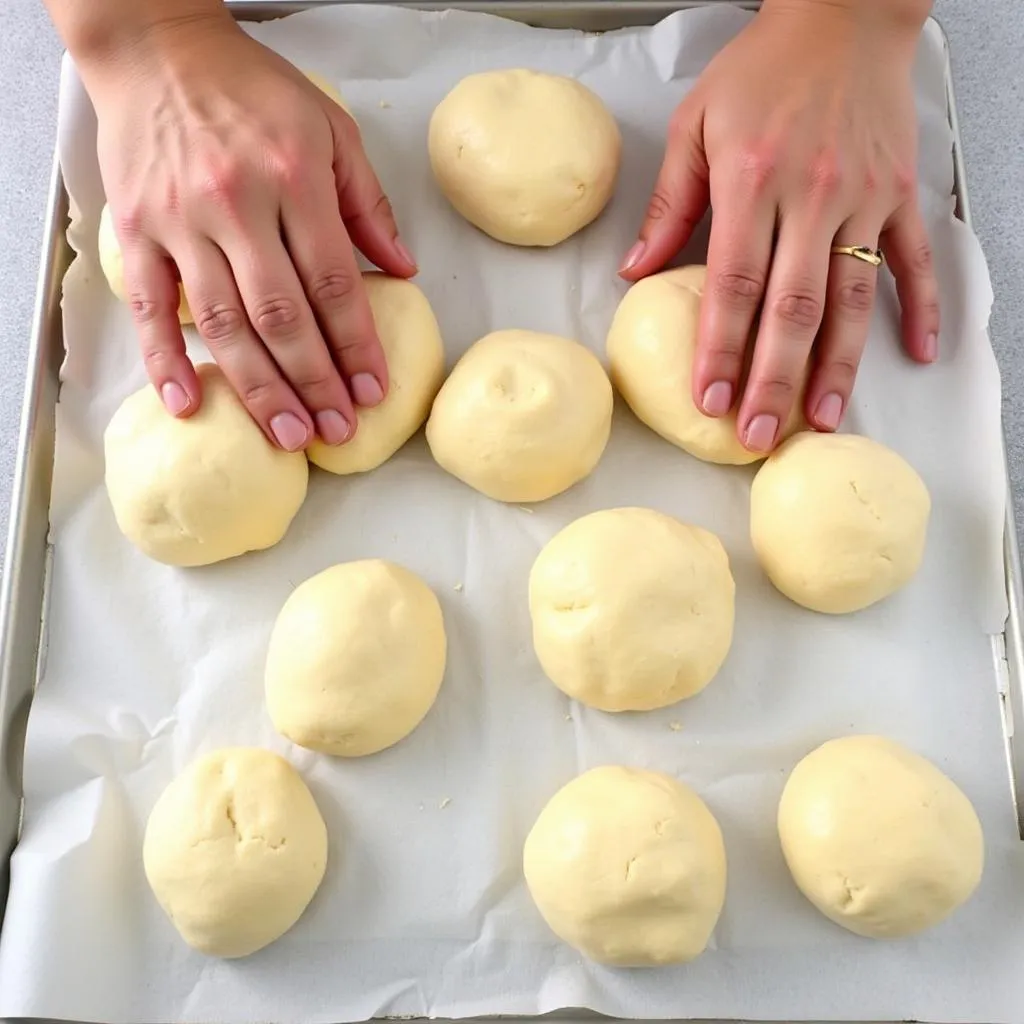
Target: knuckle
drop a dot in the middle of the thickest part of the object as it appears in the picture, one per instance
(218, 322)
(856, 297)
(315, 382)
(256, 393)
(798, 308)
(660, 206)
(277, 317)
(904, 181)
(332, 286)
(775, 391)
(739, 288)
(223, 184)
(129, 222)
(758, 167)
(145, 311)
(841, 368)
(825, 174)
(921, 259)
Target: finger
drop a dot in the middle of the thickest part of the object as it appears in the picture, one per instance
(739, 255)
(791, 315)
(364, 207)
(152, 288)
(322, 253)
(909, 255)
(849, 300)
(679, 200)
(223, 325)
(278, 310)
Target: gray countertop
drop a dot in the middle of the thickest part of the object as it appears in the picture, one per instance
(986, 40)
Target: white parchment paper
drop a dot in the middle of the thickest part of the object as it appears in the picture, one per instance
(423, 909)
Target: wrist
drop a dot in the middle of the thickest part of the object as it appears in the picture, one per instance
(125, 37)
(898, 21)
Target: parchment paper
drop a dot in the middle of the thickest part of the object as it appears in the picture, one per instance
(423, 909)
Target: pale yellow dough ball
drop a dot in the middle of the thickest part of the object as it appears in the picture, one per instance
(356, 659)
(199, 490)
(628, 867)
(651, 345)
(529, 158)
(522, 417)
(414, 351)
(632, 609)
(838, 521)
(235, 850)
(877, 838)
(112, 264)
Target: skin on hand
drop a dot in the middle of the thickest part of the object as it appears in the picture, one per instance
(225, 166)
(800, 134)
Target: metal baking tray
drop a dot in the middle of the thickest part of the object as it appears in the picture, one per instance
(23, 596)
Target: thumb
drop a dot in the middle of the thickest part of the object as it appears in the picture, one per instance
(680, 199)
(365, 209)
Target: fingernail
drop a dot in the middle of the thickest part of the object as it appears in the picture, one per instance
(332, 427)
(717, 400)
(931, 348)
(290, 431)
(761, 431)
(175, 398)
(366, 390)
(633, 256)
(405, 254)
(829, 411)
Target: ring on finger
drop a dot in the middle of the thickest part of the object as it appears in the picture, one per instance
(860, 252)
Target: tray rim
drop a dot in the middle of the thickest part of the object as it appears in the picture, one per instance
(24, 585)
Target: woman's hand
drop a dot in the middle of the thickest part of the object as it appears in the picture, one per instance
(223, 165)
(801, 134)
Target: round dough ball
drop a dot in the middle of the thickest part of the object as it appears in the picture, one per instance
(528, 158)
(838, 521)
(356, 659)
(522, 417)
(632, 610)
(651, 344)
(628, 867)
(877, 838)
(234, 851)
(414, 351)
(199, 490)
(112, 264)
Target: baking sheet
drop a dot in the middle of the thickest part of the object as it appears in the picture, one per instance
(423, 910)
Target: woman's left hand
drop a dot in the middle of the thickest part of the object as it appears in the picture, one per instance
(801, 134)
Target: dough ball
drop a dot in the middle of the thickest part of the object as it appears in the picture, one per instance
(414, 351)
(522, 417)
(651, 343)
(234, 851)
(838, 521)
(199, 490)
(325, 86)
(628, 867)
(632, 609)
(112, 264)
(877, 838)
(356, 659)
(528, 158)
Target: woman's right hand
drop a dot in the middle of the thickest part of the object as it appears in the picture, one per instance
(225, 167)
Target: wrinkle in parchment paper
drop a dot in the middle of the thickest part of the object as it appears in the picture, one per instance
(423, 909)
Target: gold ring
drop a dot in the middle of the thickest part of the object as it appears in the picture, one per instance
(860, 252)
